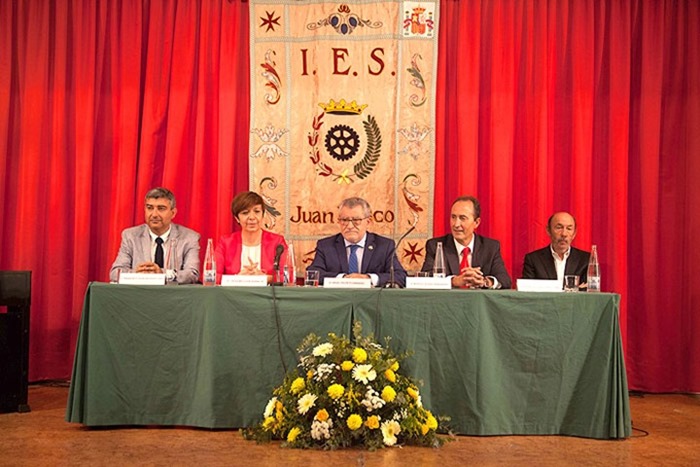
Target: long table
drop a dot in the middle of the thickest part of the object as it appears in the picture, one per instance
(496, 362)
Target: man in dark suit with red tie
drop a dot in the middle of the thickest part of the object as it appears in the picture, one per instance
(472, 261)
(558, 258)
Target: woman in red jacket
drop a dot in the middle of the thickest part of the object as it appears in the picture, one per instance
(251, 251)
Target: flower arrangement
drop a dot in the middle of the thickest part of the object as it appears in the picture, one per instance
(344, 394)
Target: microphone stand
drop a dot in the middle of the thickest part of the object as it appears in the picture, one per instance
(392, 282)
(276, 267)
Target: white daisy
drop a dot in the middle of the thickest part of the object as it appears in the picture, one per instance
(323, 349)
(306, 402)
(270, 407)
(364, 373)
(390, 429)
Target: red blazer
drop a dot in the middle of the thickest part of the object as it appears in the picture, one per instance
(228, 253)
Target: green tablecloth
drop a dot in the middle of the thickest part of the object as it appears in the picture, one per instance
(497, 362)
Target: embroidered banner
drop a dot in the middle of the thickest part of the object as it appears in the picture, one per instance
(343, 104)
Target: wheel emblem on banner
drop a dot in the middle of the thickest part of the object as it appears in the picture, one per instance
(343, 142)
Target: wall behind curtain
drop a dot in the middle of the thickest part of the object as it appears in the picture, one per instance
(586, 106)
(100, 101)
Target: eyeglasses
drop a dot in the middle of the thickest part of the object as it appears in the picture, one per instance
(344, 221)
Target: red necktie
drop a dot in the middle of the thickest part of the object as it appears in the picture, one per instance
(464, 263)
(465, 259)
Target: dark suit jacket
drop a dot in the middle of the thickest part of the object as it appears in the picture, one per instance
(486, 254)
(539, 264)
(136, 248)
(331, 258)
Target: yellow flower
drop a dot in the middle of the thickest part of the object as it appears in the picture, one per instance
(298, 385)
(413, 392)
(432, 421)
(344, 178)
(424, 429)
(321, 415)
(267, 424)
(388, 393)
(359, 355)
(309, 374)
(347, 365)
(394, 366)
(279, 415)
(354, 421)
(372, 422)
(293, 433)
(278, 405)
(390, 375)
(336, 391)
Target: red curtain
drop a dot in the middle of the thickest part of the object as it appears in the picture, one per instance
(591, 107)
(100, 101)
(586, 106)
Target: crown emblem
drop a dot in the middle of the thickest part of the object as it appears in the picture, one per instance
(342, 107)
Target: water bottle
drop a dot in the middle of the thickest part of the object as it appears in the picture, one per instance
(209, 264)
(171, 270)
(593, 271)
(290, 271)
(439, 264)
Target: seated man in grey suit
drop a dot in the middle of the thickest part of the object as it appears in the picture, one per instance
(473, 261)
(158, 245)
(558, 258)
(354, 252)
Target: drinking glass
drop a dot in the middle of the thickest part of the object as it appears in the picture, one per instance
(311, 279)
(571, 283)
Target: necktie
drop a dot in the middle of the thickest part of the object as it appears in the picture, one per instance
(159, 252)
(353, 266)
(465, 259)
(464, 263)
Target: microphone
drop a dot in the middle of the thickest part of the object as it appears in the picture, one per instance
(276, 265)
(392, 282)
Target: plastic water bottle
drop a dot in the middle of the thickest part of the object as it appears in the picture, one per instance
(209, 264)
(439, 264)
(593, 271)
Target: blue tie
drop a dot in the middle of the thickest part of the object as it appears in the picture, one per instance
(353, 267)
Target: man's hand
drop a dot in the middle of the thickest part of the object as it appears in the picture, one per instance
(472, 278)
(149, 267)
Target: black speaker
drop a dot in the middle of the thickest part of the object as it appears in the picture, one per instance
(15, 295)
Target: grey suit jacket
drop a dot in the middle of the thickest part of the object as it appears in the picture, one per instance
(136, 249)
(486, 254)
(539, 264)
(331, 258)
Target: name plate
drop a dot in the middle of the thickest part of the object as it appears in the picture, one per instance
(433, 283)
(240, 280)
(346, 283)
(139, 278)
(538, 285)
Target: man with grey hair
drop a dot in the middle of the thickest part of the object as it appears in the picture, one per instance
(159, 246)
(355, 252)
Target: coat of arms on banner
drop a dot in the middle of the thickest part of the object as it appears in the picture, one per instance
(342, 104)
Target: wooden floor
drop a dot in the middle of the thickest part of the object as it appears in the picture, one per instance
(42, 437)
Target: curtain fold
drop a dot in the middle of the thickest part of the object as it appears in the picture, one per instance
(99, 102)
(589, 106)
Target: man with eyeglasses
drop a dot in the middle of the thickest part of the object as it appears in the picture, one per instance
(355, 252)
